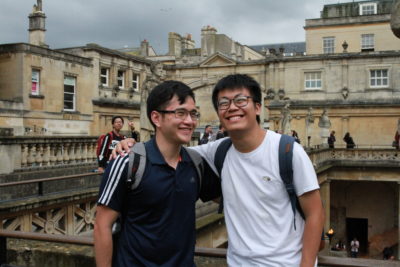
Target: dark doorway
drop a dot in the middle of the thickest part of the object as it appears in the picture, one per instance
(356, 227)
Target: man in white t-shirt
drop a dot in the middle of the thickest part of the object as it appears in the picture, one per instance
(354, 245)
(258, 213)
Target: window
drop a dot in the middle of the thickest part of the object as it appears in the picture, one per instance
(379, 78)
(312, 80)
(69, 93)
(368, 9)
(121, 79)
(104, 74)
(367, 42)
(135, 82)
(329, 45)
(35, 82)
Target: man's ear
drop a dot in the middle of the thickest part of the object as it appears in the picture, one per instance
(258, 108)
(155, 118)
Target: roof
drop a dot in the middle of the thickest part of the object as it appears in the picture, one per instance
(295, 47)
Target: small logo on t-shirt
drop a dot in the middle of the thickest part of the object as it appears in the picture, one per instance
(266, 178)
(192, 180)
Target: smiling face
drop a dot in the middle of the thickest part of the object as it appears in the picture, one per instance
(175, 130)
(238, 119)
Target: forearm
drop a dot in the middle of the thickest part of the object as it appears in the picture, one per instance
(311, 239)
(103, 246)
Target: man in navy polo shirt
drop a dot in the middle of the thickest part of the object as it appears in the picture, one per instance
(158, 216)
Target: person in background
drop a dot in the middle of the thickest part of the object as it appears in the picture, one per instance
(134, 134)
(207, 136)
(354, 246)
(221, 133)
(332, 140)
(349, 140)
(109, 142)
(295, 136)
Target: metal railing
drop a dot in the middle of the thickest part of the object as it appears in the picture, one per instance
(326, 261)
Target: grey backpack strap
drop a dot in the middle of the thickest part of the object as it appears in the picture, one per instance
(137, 164)
(198, 163)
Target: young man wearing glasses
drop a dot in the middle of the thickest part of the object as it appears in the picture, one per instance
(257, 208)
(258, 213)
(158, 217)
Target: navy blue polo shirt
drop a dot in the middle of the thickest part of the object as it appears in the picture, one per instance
(158, 226)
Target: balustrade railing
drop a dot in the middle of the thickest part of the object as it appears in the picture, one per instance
(27, 152)
(35, 152)
(327, 261)
(379, 156)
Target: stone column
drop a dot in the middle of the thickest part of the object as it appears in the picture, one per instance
(325, 189)
(398, 222)
(326, 200)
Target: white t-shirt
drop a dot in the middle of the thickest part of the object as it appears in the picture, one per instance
(258, 213)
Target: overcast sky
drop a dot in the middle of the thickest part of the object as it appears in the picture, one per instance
(121, 23)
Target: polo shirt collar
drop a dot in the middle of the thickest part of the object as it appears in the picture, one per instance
(155, 156)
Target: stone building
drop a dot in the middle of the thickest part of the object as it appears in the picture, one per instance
(349, 85)
(348, 81)
(72, 91)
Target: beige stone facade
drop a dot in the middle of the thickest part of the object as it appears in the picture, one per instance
(40, 105)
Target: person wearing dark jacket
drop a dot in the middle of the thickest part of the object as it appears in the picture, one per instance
(332, 140)
(349, 140)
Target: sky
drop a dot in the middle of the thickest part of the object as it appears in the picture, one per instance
(125, 23)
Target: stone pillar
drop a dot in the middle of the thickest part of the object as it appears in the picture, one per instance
(326, 200)
(398, 222)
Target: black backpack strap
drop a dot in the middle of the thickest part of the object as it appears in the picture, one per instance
(198, 164)
(219, 159)
(137, 164)
(286, 144)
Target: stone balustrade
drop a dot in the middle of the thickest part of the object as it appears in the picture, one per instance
(25, 153)
(22, 153)
(341, 156)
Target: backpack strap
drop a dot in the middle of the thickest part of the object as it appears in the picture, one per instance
(198, 164)
(137, 164)
(219, 159)
(286, 144)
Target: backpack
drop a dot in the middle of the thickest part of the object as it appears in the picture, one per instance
(285, 169)
(100, 142)
(137, 164)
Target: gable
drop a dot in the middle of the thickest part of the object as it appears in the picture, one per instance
(217, 60)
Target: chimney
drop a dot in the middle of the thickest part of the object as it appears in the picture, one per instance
(144, 48)
(37, 25)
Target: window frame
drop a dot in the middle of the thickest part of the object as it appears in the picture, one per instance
(37, 91)
(366, 39)
(105, 76)
(121, 79)
(326, 41)
(135, 82)
(381, 78)
(317, 80)
(363, 12)
(69, 93)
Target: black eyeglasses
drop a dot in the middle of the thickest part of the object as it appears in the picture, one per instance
(239, 101)
(182, 113)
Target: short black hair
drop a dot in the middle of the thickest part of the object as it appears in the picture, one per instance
(161, 95)
(237, 81)
(117, 117)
